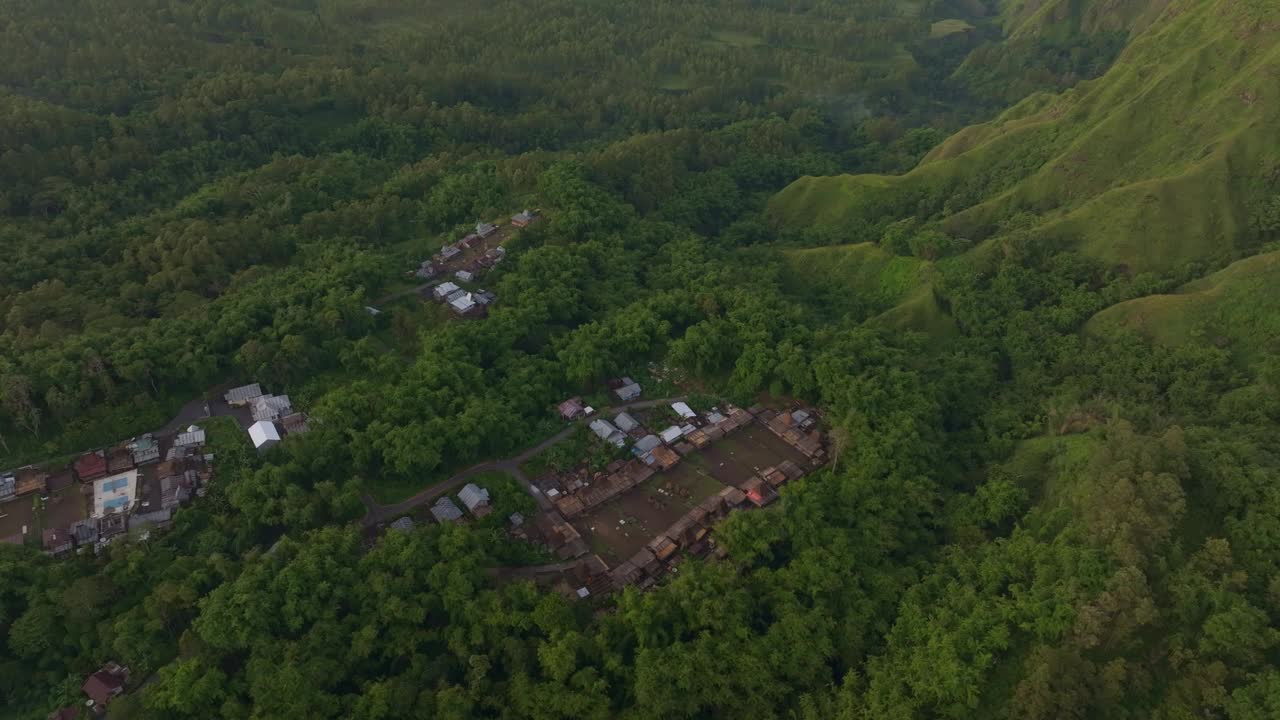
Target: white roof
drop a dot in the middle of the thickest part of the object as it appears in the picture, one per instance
(672, 434)
(464, 275)
(583, 592)
(191, 437)
(444, 288)
(463, 303)
(263, 432)
(473, 496)
(683, 410)
(445, 510)
(607, 432)
(243, 393)
(626, 423)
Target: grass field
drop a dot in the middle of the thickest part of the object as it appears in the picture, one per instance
(1238, 305)
(1151, 166)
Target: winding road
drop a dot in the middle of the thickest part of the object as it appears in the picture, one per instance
(382, 513)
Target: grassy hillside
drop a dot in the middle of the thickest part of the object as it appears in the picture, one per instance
(865, 282)
(1163, 161)
(1238, 306)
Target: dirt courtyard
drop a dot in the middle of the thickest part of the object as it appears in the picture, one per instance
(736, 458)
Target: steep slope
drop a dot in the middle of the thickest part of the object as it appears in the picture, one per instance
(1238, 306)
(1165, 160)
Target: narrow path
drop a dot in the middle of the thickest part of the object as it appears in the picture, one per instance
(511, 466)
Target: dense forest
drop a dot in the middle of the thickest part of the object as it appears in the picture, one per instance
(1055, 496)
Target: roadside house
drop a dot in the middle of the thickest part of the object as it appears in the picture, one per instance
(443, 291)
(626, 423)
(91, 466)
(476, 499)
(243, 395)
(571, 409)
(445, 510)
(524, 218)
(145, 450)
(683, 410)
(608, 433)
(628, 390)
(484, 229)
(31, 480)
(194, 436)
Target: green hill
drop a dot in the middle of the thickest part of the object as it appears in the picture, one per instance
(1167, 159)
(1238, 306)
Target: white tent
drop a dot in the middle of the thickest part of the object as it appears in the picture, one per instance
(264, 434)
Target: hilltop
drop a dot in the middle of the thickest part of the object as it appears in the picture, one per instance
(1166, 160)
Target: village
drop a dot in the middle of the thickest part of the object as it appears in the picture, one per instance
(672, 473)
(452, 275)
(135, 485)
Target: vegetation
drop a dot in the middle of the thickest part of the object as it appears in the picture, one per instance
(1056, 496)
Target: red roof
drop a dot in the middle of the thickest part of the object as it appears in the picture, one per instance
(90, 466)
(102, 686)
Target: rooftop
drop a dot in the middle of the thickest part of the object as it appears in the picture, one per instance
(445, 510)
(243, 394)
(473, 496)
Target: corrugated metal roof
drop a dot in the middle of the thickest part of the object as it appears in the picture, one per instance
(473, 496)
(244, 393)
(193, 437)
(445, 510)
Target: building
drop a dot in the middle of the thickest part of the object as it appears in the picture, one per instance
(295, 424)
(444, 290)
(145, 450)
(271, 407)
(476, 499)
(175, 490)
(115, 493)
(626, 423)
(484, 298)
(84, 531)
(672, 434)
(606, 431)
(243, 395)
(683, 410)
(445, 510)
(464, 303)
(645, 445)
(404, 524)
(373, 311)
(105, 685)
(57, 541)
(484, 229)
(465, 275)
(470, 241)
(193, 437)
(426, 270)
(91, 466)
(571, 409)
(8, 486)
(524, 218)
(61, 480)
(264, 434)
(629, 390)
(449, 251)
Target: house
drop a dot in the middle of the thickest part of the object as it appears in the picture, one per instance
(645, 444)
(243, 395)
(31, 480)
(444, 290)
(485, 298)
(449, 251)
(84, 531)
(626, 423)
(271, 407)
(404, 524)
(628, 390)
(663, 458)
(672, 434)
(91, 466)
(57, 541)
(115, 493)
(264, 434)
(119, 459)
(465, 275)
(571, 409)
(373, 311)
(606, 431)
(445, 510)
(524, 218)
(193, 437)
(516, 519)
(464, 303)
(476, 499)
(426, 270)
(484, 229)
(803, 419)
(715, 418)
(759, 492)
(105, 685)
(683, 410)
(8, 486)
(145, 450)
(470, 241)
(295, 424)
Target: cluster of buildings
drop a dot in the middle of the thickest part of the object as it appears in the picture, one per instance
(99, 689)
(463, 302)
(273, 416)
(104, 493)
(473, 497)
(797, 427)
